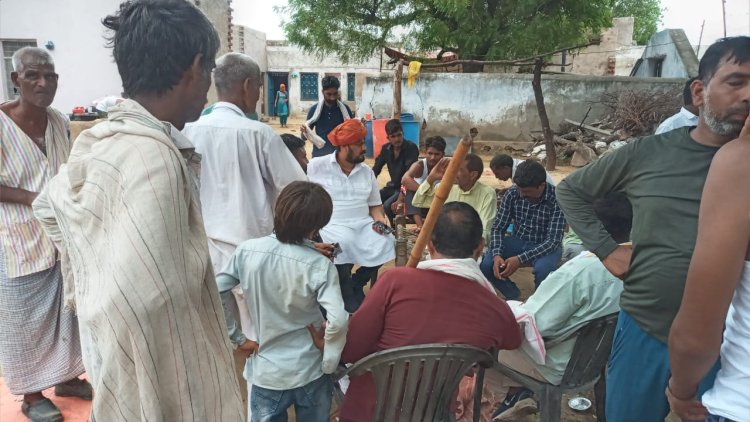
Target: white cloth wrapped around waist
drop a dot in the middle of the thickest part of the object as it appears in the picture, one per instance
(360, 244)
(533, 343)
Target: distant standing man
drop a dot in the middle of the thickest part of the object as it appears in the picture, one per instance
(39, 342)
(666, 196)
(327, 114)
(687, 116)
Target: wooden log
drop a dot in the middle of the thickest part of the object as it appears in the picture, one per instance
(591, 128)
(397, 78)
(441, 194)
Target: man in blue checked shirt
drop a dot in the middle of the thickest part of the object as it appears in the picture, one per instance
(538, 222)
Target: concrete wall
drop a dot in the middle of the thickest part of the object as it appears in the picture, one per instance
(87, 70)
(613, 56)
(252, 42)
(501, 106)
(679, 60)
(287, 58)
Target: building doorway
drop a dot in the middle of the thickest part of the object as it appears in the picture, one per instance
(275, 79)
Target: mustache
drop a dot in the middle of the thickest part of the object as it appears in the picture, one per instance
(744, 109)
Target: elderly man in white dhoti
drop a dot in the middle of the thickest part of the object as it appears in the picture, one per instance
(356, 208)
(39, 343)
(125, 209)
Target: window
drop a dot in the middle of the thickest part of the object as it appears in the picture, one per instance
(309, 86)
(8, 48)
(351, 79)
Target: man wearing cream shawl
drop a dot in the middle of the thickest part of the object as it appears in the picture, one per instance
(126, 214)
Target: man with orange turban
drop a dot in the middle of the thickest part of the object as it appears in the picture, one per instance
(356, 207)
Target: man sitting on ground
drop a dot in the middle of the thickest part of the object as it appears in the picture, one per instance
(530, 205)
(286, 281)
(578, 292)
(687, 116)
(417, 173)
(504, 167)
(398, 156)
(468, 189)
(356, 209)
(445, 300)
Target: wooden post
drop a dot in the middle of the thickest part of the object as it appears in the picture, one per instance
(549, 141)
(441, 194)
(397, 78)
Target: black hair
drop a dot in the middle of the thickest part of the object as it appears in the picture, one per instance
(474, 163)
(393, 126)
(501, 160)
(458, 231)
(436, 142)
(734, 49)
(292, 142)
(155, 41)
(687, 93)
(302, 208)
(330, 82)
(616, 214)
(529, 174)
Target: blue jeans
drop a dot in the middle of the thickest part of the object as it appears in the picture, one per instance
(638, 373)
(513, 246)
(714, 418)
(312, 402)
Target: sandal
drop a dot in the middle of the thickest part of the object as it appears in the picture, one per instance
(42, 411)
(75, 388)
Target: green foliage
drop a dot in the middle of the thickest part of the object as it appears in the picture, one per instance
(647, 15)
(476, 29)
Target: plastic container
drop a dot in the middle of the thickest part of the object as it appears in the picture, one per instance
(368, 138)
(411, 130)
(407, 117)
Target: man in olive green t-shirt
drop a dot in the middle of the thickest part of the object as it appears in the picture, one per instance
(663, 178)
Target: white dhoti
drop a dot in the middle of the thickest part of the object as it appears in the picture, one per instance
(360, 244)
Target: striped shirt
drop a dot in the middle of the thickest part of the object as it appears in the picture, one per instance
(24, 166)
(542, 223)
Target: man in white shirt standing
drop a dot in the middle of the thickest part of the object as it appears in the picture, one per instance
(244, 167)
(687, 116)
(356, 210)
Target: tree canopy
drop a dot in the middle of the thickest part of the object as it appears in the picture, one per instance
(474, 29)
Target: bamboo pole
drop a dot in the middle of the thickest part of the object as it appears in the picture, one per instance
(441, 194)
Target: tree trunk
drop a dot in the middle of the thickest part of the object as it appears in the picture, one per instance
(397, 78)
(549, 141)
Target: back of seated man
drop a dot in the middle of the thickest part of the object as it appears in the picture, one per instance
(538, 225)
(687, 116)
(445, 300)
(578, 292)
(398, 155)
(417, 174)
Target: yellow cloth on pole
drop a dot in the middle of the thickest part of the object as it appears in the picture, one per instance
(414, 67)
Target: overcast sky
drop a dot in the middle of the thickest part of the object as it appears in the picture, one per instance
(685, 14)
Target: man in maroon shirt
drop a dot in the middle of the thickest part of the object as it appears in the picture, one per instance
(445, 300)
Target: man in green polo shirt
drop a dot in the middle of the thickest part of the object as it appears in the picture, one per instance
(662, 176)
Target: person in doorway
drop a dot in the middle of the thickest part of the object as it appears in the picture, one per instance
(356, 211)
(328, 113)
(39, 340)
(398, 155)
(416, 175)
(666, 197)
(126, 210)
(281, 105)
(687, 116)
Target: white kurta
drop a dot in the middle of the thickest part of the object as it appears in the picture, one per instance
(244, 167)
(351, 223)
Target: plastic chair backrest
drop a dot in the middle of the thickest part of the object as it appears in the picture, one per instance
(416, 383)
